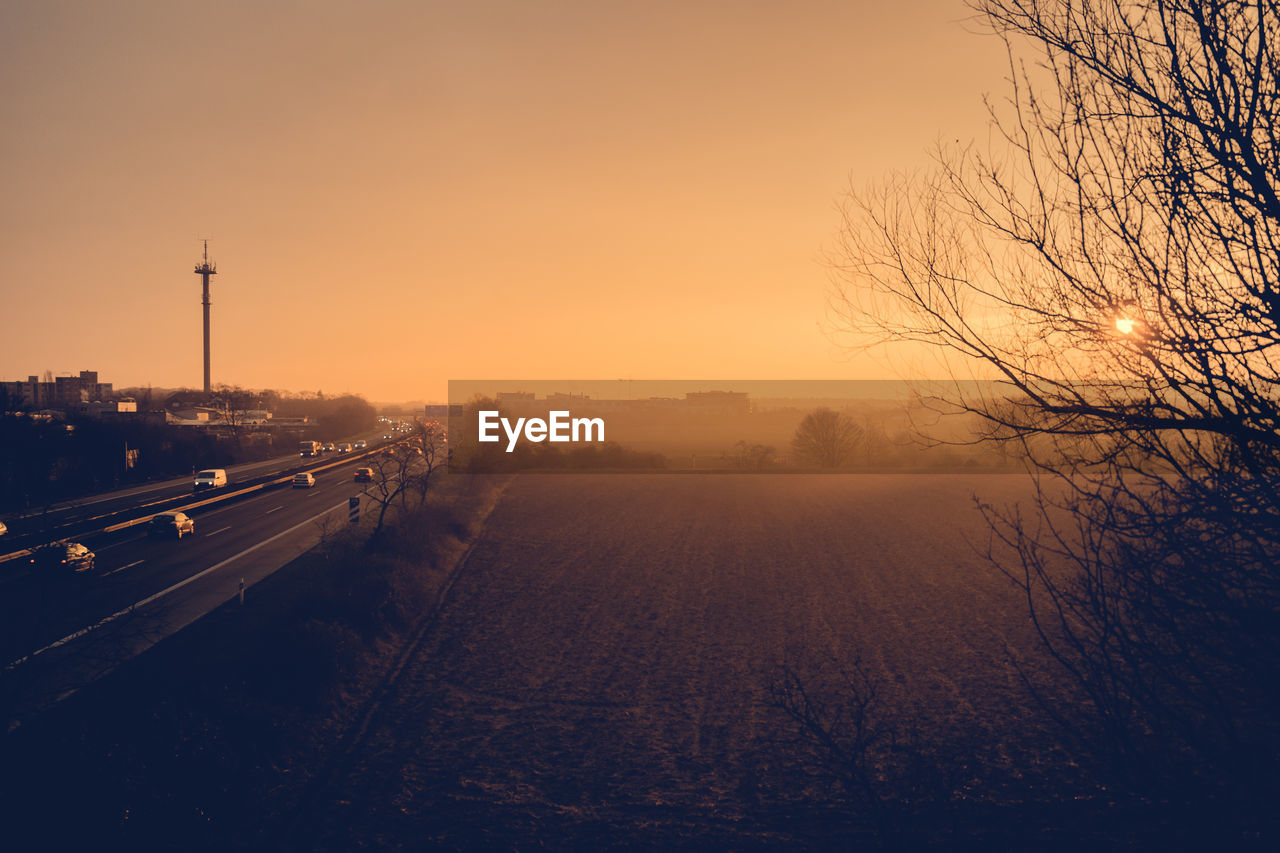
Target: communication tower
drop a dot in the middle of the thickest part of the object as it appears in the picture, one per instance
(204, 270)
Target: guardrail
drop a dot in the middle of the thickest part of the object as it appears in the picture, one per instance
(224, 495)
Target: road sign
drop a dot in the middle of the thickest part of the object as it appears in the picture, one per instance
(353, 508)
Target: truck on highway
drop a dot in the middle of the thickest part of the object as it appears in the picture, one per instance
(308, 448)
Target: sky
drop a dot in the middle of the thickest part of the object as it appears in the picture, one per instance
(400, 193)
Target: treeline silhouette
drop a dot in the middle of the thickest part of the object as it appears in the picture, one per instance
(604, 456)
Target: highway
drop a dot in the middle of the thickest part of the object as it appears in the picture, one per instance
(58, 633)
(69, 519)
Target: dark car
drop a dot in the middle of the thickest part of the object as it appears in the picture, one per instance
(364, 475)
(60, 556)
(171, 524)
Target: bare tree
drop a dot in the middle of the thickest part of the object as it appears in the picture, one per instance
(1113, 259)
(826, 438)
(404, 469)
(392, 476)
(431, 442)
(233, 403)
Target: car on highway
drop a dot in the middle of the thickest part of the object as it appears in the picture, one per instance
(173, 524)
(211, 478)
(344, 447)
(364, 475)
(304, 480)
(328, 447)
(360, 445)
(3, 529)
(60, 556)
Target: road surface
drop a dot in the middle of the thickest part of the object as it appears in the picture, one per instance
(71, 518)
(58, 634)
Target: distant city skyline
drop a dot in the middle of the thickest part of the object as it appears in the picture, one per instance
(399, 193)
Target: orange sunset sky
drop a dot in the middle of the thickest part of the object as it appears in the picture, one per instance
(397, 193)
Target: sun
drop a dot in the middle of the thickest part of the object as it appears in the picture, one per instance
(1124, 325)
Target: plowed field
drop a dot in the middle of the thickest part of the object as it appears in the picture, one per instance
(601, 673)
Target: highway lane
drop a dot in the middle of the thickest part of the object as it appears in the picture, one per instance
(64, 519)
(56, 634)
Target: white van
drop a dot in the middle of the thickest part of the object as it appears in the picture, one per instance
(213, 478)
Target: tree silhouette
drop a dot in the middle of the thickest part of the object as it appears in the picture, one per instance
(429, 441)
(826, 438)
(405, 468)
(1113, 259)
(232, 404)
(749, 457)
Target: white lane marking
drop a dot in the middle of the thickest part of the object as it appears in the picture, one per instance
(121, 542)
(122, 568)
(219, 530)
(162, 593)
(273, 509)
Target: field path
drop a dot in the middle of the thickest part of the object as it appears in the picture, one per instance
(600, 675)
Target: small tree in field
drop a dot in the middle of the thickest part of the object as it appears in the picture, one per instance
(826, 438)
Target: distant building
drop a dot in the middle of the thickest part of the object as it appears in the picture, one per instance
(719, 402)
(191, 416)
(100, 409)
(186, 399)
(61, 393)
(125, 409)
(562, 399)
